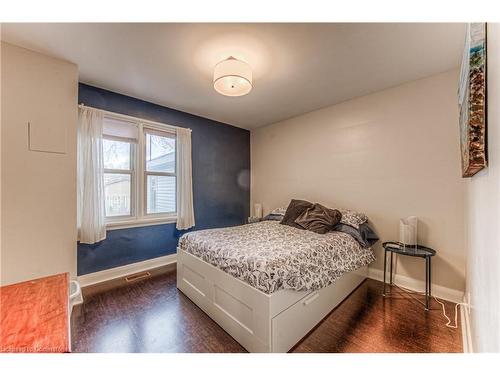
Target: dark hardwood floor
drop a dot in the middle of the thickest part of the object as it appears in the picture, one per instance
(153, 316)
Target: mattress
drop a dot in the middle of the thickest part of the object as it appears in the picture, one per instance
(270, 256)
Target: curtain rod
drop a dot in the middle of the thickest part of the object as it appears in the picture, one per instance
(133, 118)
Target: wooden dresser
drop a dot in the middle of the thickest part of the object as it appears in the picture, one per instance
(34, 316)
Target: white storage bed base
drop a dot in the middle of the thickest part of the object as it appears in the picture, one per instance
(258, 321)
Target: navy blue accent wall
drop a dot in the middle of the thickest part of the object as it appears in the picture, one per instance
(221, 182)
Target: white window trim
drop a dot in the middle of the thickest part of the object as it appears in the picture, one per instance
(145, 222)
(139, 217)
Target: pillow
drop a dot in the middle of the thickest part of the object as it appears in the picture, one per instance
(293, 211)
(352, 218)
(278, 211)
(319, 219)
(276, 214)
(365, 235)
(274, 217)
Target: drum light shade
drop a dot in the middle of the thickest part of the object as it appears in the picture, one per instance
(232, 77)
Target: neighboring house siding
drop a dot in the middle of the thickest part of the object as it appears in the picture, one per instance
(161, 195)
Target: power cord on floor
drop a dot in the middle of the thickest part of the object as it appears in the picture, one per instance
(449, 325)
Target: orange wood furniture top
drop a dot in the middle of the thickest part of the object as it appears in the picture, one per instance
(34, 315)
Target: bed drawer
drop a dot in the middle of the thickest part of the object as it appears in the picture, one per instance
(289, 326)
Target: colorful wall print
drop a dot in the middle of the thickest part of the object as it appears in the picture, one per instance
(472, 101)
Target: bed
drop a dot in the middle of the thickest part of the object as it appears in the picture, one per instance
(269, 284)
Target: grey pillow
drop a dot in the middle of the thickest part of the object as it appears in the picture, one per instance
(273, 217)
(276, 214)
(365, 235)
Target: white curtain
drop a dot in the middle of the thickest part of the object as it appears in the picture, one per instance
(91, 214)
(185, 210)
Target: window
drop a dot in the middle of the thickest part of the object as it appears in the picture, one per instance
(118, 177)
(139, 172)
(160, 172)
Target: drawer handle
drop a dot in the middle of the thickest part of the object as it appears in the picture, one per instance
(310, 299)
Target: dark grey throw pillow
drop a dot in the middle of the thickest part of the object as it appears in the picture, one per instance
(319, 219)
(365, 235)
(293, 211)
(273, 217)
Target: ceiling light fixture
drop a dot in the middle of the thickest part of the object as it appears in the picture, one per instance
(232, 77)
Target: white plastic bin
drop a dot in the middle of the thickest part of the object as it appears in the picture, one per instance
(75, 294)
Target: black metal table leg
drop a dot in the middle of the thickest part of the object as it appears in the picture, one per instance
(415, 251)
(430, 273)
(385, 268)
(390, 275)
(427, 290)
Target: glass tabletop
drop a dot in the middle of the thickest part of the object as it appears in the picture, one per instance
(411, 250)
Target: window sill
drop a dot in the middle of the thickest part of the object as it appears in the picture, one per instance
(135, 223)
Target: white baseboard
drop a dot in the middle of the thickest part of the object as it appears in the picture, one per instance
(465, 325)
(439, 291)
(114, 273)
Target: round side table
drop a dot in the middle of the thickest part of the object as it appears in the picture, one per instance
(418, 251)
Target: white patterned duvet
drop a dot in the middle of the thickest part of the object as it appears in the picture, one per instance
(270, 256)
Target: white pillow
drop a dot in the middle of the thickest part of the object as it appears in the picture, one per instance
(279, 211)
(352, 218)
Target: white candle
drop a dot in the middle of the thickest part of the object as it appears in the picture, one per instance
(257, 208)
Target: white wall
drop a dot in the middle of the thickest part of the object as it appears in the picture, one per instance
(483, 220)
(38, 189)
(390, 154)
(0, 160)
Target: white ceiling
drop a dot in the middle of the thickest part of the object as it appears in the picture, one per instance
(297, 68)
